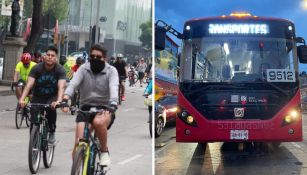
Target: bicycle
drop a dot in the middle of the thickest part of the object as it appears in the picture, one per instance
(21, 113)
(133, 78)
(87, 155)
(39, 139)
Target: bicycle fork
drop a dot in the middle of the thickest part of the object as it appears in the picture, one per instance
(86, 158)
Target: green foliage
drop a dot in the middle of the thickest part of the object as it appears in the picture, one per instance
(4, 20)
(28, 8)
(58, 8)
(146, 36)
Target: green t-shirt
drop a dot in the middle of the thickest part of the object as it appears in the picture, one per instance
(24, 71)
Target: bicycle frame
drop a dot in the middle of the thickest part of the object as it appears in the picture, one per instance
(43, 126)
(90, 148)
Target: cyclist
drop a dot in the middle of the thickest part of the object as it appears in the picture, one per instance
(112, 60)
(37, 57)
(141, 67)
(98, 84)
(47, 80)
(64, 63)
(121, 68)
(22, 71)
(79, 62)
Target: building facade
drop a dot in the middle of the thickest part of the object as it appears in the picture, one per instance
(118, 20)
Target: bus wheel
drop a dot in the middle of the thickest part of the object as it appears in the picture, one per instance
(276, 144)
(203, 144)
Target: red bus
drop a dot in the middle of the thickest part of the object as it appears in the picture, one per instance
(238, 80)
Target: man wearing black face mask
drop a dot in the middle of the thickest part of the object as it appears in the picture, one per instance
(98, 84)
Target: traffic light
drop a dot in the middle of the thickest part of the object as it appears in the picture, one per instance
(54, 39)
(93, 32)
(63, 38)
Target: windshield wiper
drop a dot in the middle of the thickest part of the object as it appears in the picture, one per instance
(278, 88)
(215, 87)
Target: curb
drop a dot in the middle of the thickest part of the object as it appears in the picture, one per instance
(6, 93)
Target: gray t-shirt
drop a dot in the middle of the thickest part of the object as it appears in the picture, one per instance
(141, 67)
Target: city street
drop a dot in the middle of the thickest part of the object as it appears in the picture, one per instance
(129, 141)
(173, 158)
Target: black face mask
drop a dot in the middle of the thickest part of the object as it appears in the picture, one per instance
(97, 65)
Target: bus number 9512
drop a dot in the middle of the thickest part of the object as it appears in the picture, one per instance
(280, 75)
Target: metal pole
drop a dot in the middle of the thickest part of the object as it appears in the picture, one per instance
(66, 31)
(48, 21)
(91, 27)
(97, 22)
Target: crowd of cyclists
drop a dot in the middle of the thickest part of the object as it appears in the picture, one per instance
(97, 79)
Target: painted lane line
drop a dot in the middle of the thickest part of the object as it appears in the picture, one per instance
(130, 159)
(296, 145)
(129, 109)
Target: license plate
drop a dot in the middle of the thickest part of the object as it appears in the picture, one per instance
(239, 134)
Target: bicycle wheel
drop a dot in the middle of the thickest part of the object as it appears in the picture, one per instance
(18, 116)
(48, 155)
(27, 118)
(34, 149)
(78, 161)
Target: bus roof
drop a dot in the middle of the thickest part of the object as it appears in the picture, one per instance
(224, 17)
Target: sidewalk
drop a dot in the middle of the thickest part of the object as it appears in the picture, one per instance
(5, 90)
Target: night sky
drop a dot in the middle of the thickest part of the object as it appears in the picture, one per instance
(176, 12)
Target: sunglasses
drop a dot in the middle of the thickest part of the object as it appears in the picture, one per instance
(96, 56)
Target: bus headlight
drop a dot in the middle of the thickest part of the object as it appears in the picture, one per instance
(186, 117)
(288, 119)
(190, 119)
(294, 114)
(291, 117)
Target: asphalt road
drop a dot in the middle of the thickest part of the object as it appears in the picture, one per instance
(173, 158)
(129, 141)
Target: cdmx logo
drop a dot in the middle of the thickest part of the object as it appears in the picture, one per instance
(239, 112)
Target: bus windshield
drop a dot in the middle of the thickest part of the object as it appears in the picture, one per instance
(235, 59)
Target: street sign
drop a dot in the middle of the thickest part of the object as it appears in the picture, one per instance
(103, 19)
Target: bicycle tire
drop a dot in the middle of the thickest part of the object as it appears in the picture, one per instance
(78, 161)
(34, 145)
(18, 116)
(48, 158)
(27, 119)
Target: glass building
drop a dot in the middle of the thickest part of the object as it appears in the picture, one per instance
(118, 20)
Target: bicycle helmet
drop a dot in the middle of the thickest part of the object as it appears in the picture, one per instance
(26, 58)
(120, 55)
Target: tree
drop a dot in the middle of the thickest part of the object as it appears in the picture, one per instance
(146, 36)
(58, 8)
(37, 27)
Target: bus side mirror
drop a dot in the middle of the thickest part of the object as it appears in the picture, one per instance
(160, 36)
(302, 53)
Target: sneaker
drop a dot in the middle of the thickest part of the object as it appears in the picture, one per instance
(123, 98)
(51, 138)
(105, 159)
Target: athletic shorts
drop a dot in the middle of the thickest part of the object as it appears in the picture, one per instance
(141, 75)
(83, 118)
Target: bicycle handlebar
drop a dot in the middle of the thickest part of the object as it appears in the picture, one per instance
(94, 110)
(62, 104)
